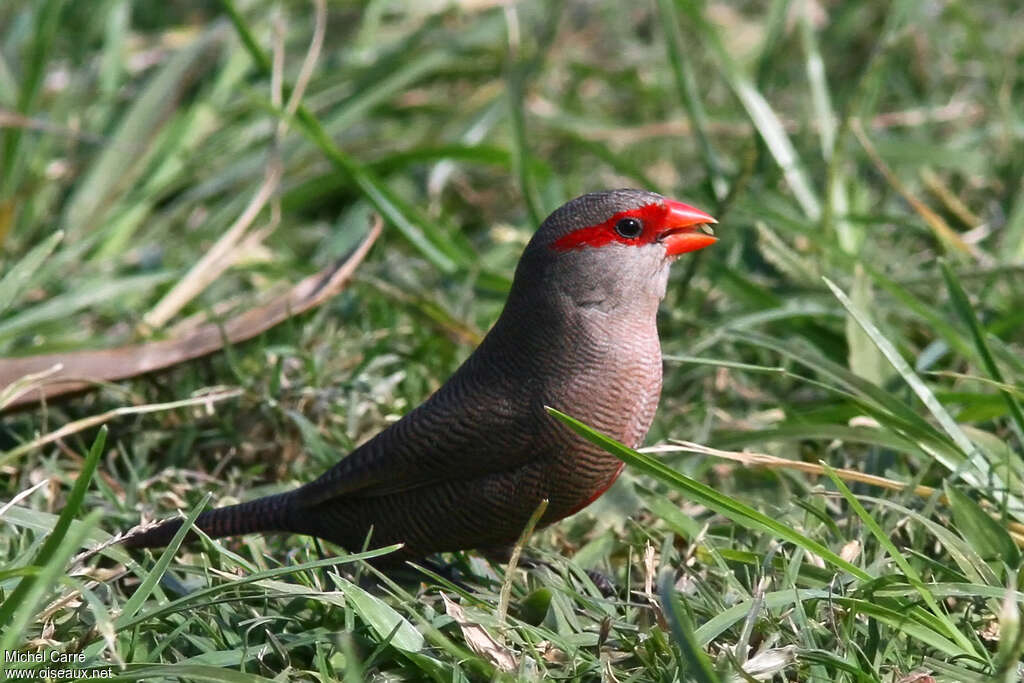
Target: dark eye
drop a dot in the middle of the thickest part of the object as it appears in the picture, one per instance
(629, 227)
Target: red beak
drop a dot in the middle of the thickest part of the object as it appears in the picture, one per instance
(681, 232)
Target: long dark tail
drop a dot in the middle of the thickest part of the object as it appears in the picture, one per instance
(271, 513)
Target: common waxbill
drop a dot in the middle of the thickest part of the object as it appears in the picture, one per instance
(468, 467)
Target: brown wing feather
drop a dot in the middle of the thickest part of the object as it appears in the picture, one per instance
(476, 425)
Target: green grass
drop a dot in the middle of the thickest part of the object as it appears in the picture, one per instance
(864, 310)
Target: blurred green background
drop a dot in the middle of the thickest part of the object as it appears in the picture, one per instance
(863, 308)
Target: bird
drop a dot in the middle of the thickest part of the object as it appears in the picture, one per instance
(468, 467)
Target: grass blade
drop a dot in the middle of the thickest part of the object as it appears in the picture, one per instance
(419, 231)
(698, 665)
(980, 465)
(60, 530)
(186, 601)
(145, 589)
(381, 617)
(951, 631)
(45, 30)
(966, 312)
(25, 603)
(125, 154)
(17, 278)
(707, 496)
(1011, 639)
(764, 118)
(57, 308)
(517, 72)
(984, 534)
(686, 84)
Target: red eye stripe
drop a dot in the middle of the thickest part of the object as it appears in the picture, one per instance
(652, 216)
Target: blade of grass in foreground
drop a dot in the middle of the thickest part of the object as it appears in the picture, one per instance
(707, 496)
(60, 529)
(1011, 641)
(185, 671)
(386, 622)
(981, 467)
(25, 610)
(682, 629)
(888, 409)
(908, 570)
(781, 599)
(148, 584)
(204, 596)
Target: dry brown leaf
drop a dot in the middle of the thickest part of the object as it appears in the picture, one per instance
(551, 654)
(937, 223)
(479, 640)
(767, 664)
(850, 551)
(83, 370)
(990, 631)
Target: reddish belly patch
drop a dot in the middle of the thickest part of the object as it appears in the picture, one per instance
(600, 491)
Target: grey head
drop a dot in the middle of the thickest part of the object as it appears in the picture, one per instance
(606, 250)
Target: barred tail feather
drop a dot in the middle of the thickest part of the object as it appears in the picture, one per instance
(271, 513)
